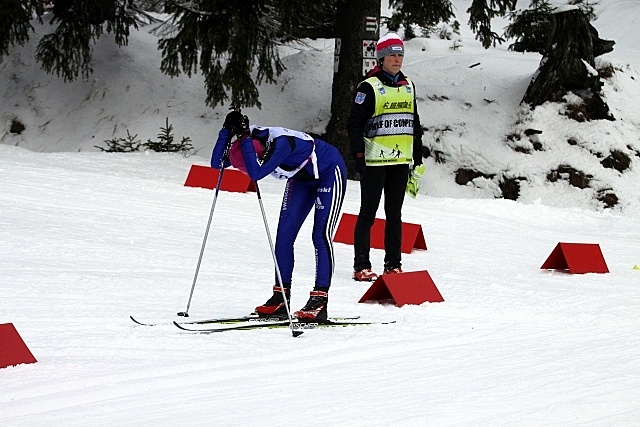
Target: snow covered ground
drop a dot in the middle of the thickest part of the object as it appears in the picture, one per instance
(89, 238)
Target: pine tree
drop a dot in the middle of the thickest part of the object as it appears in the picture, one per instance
(226, 40)
(234, 44)
(480, 14)
(15, 26)
(76, 25)
(530, 28)
(68, 50)
(406, 14)
(587, 7)
(151, 5)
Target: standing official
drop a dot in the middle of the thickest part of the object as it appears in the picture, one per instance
(385, 138)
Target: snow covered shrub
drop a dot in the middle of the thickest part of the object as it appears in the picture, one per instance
(16, 126)
(575, 177)
(121, 145)
(165, 143)
(608, 198)
(510, 187)
(617, 160)
(464, 176)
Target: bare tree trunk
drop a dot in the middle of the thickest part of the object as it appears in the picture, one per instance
(568, 65)
(351, 30)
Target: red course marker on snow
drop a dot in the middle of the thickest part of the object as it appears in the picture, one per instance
(13, 350)
(206, 177)
(414, 287)
(578, 258)
(412, 236)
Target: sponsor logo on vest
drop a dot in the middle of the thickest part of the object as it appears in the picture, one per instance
(397, 105)
(319, 203)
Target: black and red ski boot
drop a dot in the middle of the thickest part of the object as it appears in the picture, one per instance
(315, 309)
(274, 308)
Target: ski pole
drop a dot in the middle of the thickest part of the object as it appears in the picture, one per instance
(206, 233)
(295, 333)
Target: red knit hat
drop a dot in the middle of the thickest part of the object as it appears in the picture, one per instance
(389, 44)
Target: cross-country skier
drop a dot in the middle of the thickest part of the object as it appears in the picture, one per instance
(316, 179)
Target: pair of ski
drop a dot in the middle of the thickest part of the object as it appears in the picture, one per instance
(254, 322)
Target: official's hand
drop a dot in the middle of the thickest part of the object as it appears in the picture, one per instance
(360, 164)
(413, 184)
(417, 171)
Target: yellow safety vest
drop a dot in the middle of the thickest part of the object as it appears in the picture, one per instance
(388, 135)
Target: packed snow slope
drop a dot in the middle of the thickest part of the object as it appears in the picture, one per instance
(89, 239)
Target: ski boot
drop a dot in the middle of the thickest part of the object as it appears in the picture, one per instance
(275, 307)
(315, 309)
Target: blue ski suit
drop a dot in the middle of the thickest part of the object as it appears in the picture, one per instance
(316, 178)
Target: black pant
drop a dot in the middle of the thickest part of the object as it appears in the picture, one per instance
(393, 180)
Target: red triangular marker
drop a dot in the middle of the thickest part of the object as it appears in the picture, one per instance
(207, 177)
(412, 235)
(13, 351)
(415, 287)
(578, 258)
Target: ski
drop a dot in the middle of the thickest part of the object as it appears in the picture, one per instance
(273, 324)
(201, 321)
(240, 319)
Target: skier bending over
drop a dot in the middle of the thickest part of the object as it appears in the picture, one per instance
(316, 178)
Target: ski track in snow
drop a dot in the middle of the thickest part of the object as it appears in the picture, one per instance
(91, 238)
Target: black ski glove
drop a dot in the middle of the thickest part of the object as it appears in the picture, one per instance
(237, 123)
(360, 164)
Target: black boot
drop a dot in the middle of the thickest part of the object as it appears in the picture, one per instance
(315, 309)
(274, 308)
